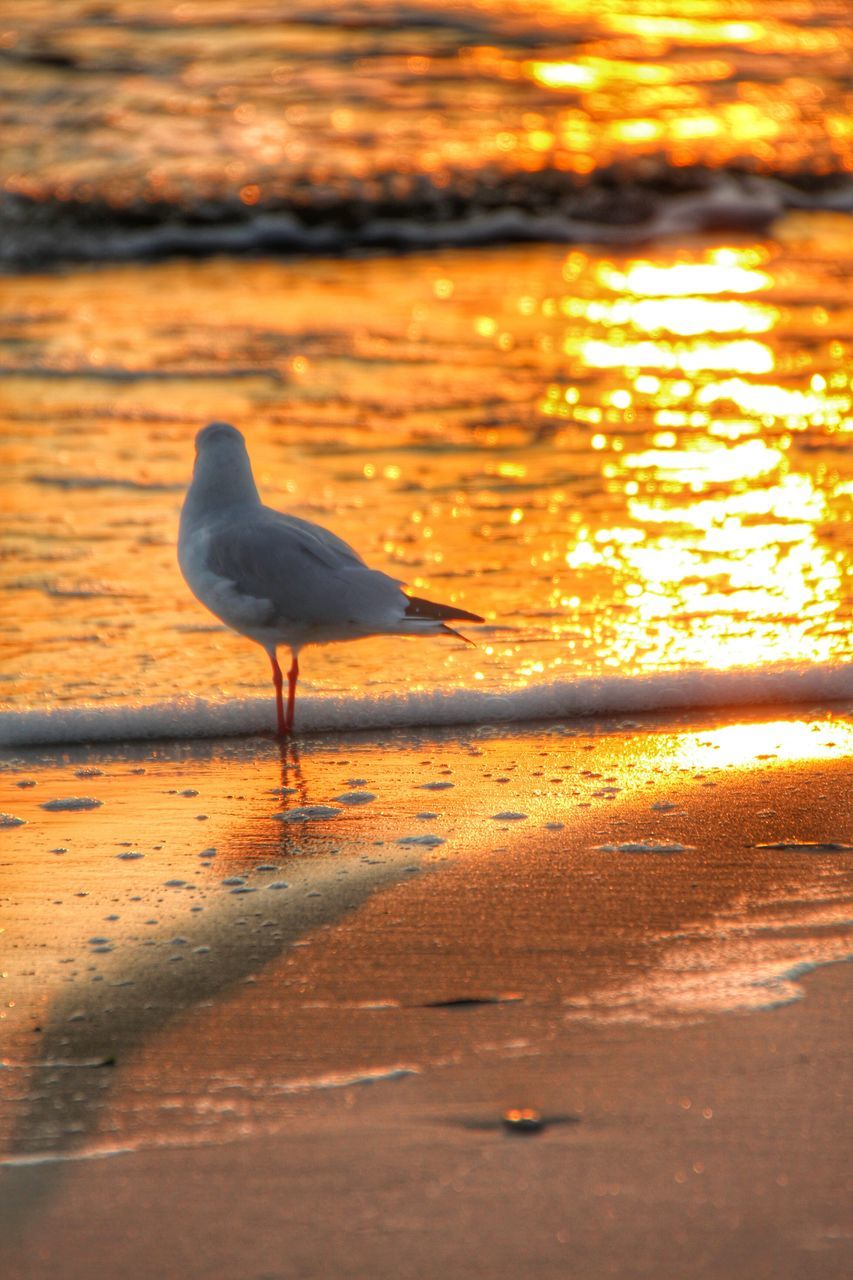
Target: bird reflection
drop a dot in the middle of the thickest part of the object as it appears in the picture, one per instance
(92, 1044)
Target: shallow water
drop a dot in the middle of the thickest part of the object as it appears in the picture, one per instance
(629, 463)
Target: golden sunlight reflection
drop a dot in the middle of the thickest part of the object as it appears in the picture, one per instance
(772, 741)
(746, 355)
(721, 560)
(722, 271)
(707, 463)
(686, 317)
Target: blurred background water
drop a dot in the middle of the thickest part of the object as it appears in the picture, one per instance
(626, 444)
(134, 127)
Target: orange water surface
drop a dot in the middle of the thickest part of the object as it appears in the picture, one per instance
(627, 462)
(158, 101)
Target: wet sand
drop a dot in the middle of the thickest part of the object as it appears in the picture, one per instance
(701, 1151)
(310, 1080)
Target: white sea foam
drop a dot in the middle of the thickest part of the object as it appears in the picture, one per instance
(187, 718)
(723, 200)
(308, 813)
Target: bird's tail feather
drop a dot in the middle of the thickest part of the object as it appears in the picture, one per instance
(452, 632)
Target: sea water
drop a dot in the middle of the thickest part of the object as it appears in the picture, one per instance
(627, 448)
(536, 435)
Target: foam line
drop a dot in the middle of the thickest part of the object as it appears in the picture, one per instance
(188, 718)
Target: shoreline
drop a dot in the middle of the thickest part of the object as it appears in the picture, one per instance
(578, 700)
(598, 927)
(629, 204)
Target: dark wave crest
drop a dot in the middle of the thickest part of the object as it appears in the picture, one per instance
(611, 208)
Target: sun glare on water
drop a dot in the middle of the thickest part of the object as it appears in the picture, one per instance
(629, 463)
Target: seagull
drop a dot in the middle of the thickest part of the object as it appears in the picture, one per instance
(280, 580)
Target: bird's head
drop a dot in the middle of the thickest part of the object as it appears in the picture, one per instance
(215, 434)
(222, 473)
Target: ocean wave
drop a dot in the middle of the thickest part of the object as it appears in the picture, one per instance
(610, 209)
(190, 718)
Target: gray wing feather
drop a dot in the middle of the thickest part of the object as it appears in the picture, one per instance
(308, 574)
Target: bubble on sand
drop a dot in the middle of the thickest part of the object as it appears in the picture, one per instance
(308, 813)
(354, 797)
(663, 806)
(71, 804)
(642, 846)
(278, 884)
(554, 826)
(234, 880)
(435, 786)
(509, 816)
(130, 856)
(426, 816)
(88, 773)
(9, 820)
(427, 841)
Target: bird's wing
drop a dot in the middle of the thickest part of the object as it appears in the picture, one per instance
(307, 574)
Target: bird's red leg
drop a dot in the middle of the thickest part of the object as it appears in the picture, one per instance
(292, 677)
(277, 680)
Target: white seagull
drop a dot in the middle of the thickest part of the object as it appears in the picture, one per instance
(280, 580)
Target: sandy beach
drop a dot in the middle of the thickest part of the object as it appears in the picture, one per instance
(281, 1008)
